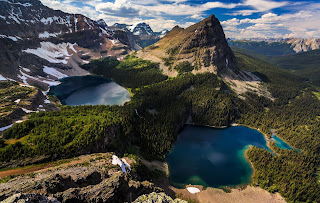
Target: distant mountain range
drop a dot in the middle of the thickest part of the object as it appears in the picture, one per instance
(140, 34)
(305, 63)
(276, 46)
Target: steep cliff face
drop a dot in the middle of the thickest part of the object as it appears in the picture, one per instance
(203, 45)
(40, 45)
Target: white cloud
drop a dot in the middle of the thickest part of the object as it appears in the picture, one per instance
(258, 6)
(304, 24)
(130, 7)
(264, 5)
(196, 16)
(302, 21)
(68, 8)
(155, 12)
(160, 24)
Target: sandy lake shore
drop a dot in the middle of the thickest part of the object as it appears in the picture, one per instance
(248, 195)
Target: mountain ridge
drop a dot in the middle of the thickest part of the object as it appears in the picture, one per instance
(282, 46)
(140, 34)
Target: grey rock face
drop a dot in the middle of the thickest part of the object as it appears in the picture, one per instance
(157, 198)
(30, 198)
(100, 181)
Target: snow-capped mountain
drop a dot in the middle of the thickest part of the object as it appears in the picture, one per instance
(139, 34)
(141, 29)
(41, 45)
(103, 24)
(162, 33)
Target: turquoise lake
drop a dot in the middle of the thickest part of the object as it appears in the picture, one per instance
(213, 157)
(90, 90)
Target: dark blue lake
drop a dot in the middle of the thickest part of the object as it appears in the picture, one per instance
(213, 157)
(90, 90)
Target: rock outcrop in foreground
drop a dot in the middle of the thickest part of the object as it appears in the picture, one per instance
(90, 178)
(157, 198)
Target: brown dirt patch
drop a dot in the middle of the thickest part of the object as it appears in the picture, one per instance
(248, 195)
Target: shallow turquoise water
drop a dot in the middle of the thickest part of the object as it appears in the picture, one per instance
(213, 157)
(90, 90)
(280, 143)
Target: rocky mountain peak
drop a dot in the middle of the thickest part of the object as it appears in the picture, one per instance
(141, 28)
(203, 45)
(139, 34)
(102, 23)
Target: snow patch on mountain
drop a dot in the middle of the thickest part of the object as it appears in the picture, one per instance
(90, 24)
(16, 38)
(26, 69)
(131, 27)
(53, 72)
(58, 20)
(75, 23)
(54, 53)
(113, 41)
(18, 3)
(17, 17)
(140, 28)
(47, 34)
(25, 76)
(2, 78)
(5, 127)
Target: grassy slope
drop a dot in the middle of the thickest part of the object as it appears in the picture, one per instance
(305, 64)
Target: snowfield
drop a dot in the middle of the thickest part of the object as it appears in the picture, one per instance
(2, 78)
(57, 19)
(5, 128)
(53, 72)
(25, 76)
(10, 37)
(47, 34)
(26, 69)
(54, 53)
(113, 41)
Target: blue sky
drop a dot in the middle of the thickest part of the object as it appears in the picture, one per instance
(239, 18)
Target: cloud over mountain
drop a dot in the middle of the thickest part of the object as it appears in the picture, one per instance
(240, 18)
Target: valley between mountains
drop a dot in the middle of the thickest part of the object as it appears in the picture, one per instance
(169, 88)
